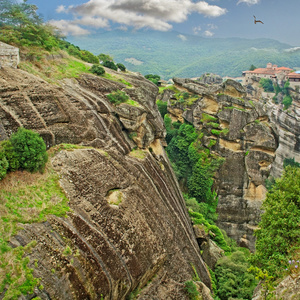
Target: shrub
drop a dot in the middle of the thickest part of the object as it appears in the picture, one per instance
(30, 149)
(153, 78)
(287, 101)
(98, 70)
(162, 107)
(3, 165)
(266, 84)
(110, 65)
(11, 155)
(121, 67)
(191, 290)
(117, 97)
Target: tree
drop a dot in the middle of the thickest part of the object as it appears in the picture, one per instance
(266, 84)
(252, 68)
(110, 65)
(30, 149)
(121, 67)
(279, 233)
(104, 57)
(153, 78)
(233, 279)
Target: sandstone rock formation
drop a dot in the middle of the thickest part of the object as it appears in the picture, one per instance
(129, 228)
(243, 135)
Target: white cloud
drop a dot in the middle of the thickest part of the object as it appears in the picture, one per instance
(68, 27)
(196, 30)
(292, 49)
(249, 2)
(154, 14)
(208, 33)
(182, 37)
(61, 9)
(92, 21)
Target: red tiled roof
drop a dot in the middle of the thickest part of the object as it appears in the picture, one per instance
(268, 71)
(293, 75)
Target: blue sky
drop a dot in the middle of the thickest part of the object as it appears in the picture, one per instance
(210, 18)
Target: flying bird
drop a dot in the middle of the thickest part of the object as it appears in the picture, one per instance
(257, 21)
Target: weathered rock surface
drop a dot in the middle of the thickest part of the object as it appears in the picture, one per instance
(244, 136)
(287, 289)
(288, 129)
(128, 224)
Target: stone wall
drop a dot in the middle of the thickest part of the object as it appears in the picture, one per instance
(9, 56)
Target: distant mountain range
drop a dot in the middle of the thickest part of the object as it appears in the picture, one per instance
(171, 54)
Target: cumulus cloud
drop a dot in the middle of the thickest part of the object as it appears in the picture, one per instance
(249, 2)
(196, 30)
(154, 14)
(68, 27)
(182, 37)
(61, 9)
(291, 50)
(208, 33)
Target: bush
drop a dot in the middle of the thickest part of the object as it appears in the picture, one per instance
(110, 65)
(117, 97)
(287, 101)
(3, 165)
(266, 84)
(162, 107)
(153, 78)
(98, 70)
(191, 290)
(11, 155)
(30, 149)
(121, 67)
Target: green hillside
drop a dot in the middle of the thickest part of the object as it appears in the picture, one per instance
(166, 54)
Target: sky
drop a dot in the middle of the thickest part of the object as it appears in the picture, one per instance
(210, 18)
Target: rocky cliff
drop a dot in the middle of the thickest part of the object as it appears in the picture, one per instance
(236, 127)
(128, 228)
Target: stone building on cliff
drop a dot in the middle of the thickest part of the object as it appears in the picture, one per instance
(272, 72)
(9, 56)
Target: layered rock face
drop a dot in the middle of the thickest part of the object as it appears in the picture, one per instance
(239, 130)
(288, 129)
(128, 225)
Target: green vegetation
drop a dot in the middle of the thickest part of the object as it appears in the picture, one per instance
(191, 290)
(96, 69)
(30, 150)
(193, 164)
(206, 118)
(266, 84)
(121, 67)
(226, 57)
(117, 97)
(232, 276)
(25, 198)
(24, 150)
(104, 57)
(153, 78)
(110, 65)
(162, 107)
(278, 238)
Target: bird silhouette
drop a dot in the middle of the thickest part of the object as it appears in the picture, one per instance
(257, 21)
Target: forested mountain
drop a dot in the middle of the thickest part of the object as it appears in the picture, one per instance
(170, 54)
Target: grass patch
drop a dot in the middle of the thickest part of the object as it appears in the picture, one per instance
(213, 124)
(115, 78)
(132, 103)
(206, 118)
(138, 153)
(25, 198)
